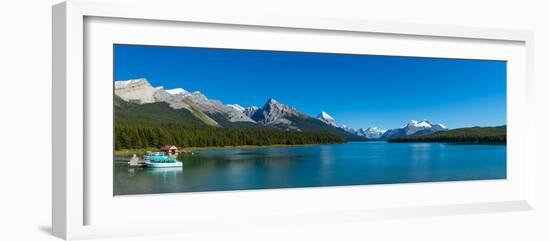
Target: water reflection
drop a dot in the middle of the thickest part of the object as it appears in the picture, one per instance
(310, 166)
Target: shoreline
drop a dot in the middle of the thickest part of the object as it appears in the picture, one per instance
(450, 142)
(185, 150)
(209, 148)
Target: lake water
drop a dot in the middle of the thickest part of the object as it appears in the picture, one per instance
(354, 163)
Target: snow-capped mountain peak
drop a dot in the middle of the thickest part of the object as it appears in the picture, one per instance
(326, 118)
(414, 127)
(371, 132)
(419, 124)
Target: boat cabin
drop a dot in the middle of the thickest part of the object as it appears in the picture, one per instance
(169, 149)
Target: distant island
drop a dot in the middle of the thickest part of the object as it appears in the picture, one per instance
(474, 135)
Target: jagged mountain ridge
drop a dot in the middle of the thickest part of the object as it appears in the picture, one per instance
(214, 113)
(141, 92)
(271, 114)
(412, 128)
(370, 133)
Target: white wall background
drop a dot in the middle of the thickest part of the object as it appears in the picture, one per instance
(25, 120)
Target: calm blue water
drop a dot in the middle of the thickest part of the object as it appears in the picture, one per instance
(354, 163)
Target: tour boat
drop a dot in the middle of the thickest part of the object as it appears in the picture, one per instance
(159, 159)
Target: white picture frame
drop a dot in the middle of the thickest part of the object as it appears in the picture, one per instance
(73, 191)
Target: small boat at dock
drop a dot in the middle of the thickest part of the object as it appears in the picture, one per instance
(159, 159)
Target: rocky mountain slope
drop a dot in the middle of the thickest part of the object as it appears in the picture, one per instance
(141, 92)
(272, 114)
(214, 113)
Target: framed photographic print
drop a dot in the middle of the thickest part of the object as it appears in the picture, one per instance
(279, 130)
(204, 122)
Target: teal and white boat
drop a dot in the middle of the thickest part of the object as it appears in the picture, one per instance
(159, 159)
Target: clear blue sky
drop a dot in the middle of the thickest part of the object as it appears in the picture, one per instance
(357, 90)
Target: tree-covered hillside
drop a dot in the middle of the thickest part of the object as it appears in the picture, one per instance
(490, 135)
(156, 124)
(152, 114)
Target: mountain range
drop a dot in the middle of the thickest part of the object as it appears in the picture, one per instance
(370, 133)
(197, 108)
(214, 113)
(413, 128)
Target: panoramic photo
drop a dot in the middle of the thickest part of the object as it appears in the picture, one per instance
(190, 119)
